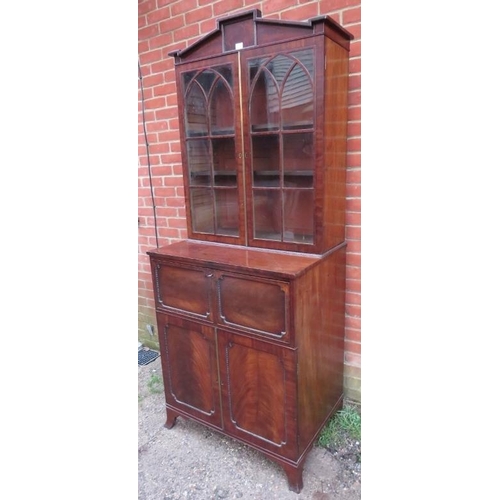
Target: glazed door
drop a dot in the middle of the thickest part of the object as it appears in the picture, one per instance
(258, 384)
(189, 363)
(211, 147)
(281, 139)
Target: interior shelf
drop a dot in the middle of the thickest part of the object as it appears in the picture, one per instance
(291, 173)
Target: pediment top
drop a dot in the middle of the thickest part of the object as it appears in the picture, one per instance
(251, 24)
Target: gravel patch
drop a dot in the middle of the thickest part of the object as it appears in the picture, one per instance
(192, 462)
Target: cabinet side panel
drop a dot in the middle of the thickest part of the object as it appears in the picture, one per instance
(319, 320)
(335, 142)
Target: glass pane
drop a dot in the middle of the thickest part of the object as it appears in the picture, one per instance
(226, 212)
(196, 112)
(206, 79)
(297, 100)
(279, 67)
(224, 157)
(264, 104)
(265, 160)
(267, 214)
(306, 58)
(226, 73)
(298, 160)
(186, 78)
(254, 66)
(202, 210)
(221, 110)
(198, 152)
(299, 215)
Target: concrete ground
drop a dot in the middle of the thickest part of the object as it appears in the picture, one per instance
(192, 462)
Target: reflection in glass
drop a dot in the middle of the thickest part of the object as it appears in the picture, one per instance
(198, 152)
(202, 213)
(221, 110)
(226, 212)
(254, 66)
(264, 105)
(206, 79)
(298, 160)
(298, 214)
(279, 67)
(265, 160)
(267, 214)
(196, 112)
(224, 162)
(211, 151)
(186, 79)
(306, 58)
(226, 73)
(297, 100)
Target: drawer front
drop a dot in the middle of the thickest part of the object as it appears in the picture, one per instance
(257, 306)
(183, 290)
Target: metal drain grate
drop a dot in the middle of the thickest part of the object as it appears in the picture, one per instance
(146, 357)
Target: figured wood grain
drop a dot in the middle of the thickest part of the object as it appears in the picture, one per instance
(259, 392)
(253, 304)
(189, 367)
(184, 289)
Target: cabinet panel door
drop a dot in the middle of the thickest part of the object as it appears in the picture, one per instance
(183, 289)
(189, 364)
(260, 306)
(258, 384)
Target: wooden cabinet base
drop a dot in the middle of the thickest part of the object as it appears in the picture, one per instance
(254, 350)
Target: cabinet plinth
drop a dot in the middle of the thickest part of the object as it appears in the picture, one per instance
(250, 308)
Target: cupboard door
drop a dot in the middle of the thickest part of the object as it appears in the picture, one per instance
(211, 140)
(258, 384)
(259, 306)
(281, 136)
(189, 363)
(183, 289)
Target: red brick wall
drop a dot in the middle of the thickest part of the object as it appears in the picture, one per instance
(166, 25)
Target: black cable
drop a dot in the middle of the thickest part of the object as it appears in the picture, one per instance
(147, 153)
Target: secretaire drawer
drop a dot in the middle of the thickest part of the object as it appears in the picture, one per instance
(182, 289)
(258, 306)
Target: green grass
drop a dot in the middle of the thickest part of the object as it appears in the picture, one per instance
(155, 384)
(345, 424)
